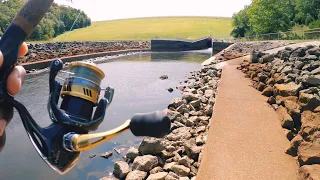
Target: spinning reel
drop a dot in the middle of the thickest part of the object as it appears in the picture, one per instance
(61, 143)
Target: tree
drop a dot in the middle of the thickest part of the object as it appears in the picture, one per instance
(309, 19)
(56, 21)
(267, 16)
(307, 9)
(241, 24)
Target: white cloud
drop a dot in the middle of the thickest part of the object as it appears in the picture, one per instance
(117, 9)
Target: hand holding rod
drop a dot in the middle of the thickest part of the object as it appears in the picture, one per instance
(21, 28)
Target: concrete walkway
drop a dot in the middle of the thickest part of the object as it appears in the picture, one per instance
(246, 140)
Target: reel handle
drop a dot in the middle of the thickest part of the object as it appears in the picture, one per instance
(155, 124)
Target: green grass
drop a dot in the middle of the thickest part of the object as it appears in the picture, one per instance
(142, 29)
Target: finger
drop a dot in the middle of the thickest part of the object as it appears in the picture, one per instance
(3, 124)
(2, 141)
(15, 80)
(23, 50)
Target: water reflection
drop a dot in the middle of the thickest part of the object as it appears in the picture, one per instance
(137, 89)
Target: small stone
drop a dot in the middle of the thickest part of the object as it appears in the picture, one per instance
(168, 166)
(92, 156)
(145, 163)
(308, 117)
(272, 100)
(294, 144)
(309, 99)
(309, 172)
(267, 58)
(271, 81)
(195, 104)
(309, 153)
(132, 153)
(151, 146)
(182, 133)
(163, 77)
(192, 149)
(200, 140)
(173, 115)
(191, 121)
(182, 109)
(268, 91)
(121, 169)
(170, 90)
(136, 175)
(172, 176)
(313, 80)
(184, 178)
(316, 71)
(309, 58)
(106, 155)
(158, 176)
(290, 89)
(186, 161)
(181, 170)
(261, 86)
(289, 134)
(156, 170)
(209, 93)
(286, 120)
(176, 102)
(208, 110)
(190, 97)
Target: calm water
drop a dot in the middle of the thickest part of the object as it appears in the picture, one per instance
(137, 89)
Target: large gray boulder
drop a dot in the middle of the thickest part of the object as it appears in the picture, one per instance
(121, 169)
(309, 153)
(181, 170)
(176, 102)
(182, 133)
(309, 172)
(285, 119)
(151, 146)
(136, 175)
(145, 163)
(132, 153)
(158, 176)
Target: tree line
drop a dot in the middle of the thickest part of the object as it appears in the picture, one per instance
(58, 20)
(272, 16)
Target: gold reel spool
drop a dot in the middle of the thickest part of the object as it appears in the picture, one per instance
(84, 82)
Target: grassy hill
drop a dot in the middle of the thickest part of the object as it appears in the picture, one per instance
(141, 29)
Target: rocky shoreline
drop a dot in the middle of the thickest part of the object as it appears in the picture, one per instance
(178, 155)
(44, 51)
(291, 80)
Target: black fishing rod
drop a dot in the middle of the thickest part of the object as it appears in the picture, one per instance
(70, 104)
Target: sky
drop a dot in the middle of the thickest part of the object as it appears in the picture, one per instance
(99, 10)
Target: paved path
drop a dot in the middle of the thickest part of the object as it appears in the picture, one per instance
(246, 140)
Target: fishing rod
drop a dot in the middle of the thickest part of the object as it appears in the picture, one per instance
(71, 104)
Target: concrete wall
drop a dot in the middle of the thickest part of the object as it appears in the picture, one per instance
(219, 46)
(180, 45)
(47, 63)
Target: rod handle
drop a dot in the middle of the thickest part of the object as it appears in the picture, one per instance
(155, 124)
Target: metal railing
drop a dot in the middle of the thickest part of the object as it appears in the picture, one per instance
(310, 34)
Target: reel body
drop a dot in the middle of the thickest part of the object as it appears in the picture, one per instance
(80, 94)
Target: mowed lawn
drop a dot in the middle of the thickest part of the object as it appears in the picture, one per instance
(142, 29)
